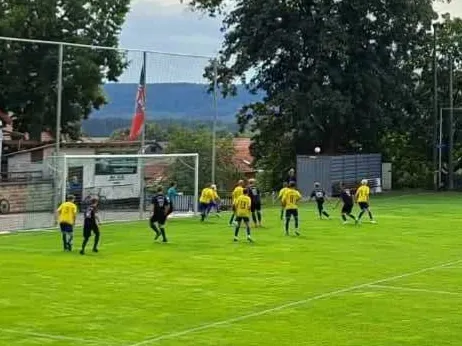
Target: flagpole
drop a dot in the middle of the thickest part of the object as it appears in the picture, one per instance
(142, 146)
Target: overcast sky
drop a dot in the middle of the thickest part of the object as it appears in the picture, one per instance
(169, 26)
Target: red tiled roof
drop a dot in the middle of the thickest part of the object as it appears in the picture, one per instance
(242, 158)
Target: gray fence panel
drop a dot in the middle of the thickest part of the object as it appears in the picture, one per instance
(311, 169)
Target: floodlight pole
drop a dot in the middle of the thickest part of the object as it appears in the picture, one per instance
(451, 125)
(215, 117)
(435, 107)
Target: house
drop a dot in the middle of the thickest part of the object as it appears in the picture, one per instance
(243, 160)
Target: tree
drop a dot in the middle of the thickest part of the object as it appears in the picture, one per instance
(29, 71)
(336, 70)
(199, 141)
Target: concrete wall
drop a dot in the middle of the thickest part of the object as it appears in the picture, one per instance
(28, 197)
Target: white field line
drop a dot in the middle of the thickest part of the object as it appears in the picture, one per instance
(329, 294)
(55, 337)
(410, 289)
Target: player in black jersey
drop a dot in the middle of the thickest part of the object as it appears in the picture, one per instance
(160, 210)
(90, 224)
(348, 203)
(255, 197)
(320, 197)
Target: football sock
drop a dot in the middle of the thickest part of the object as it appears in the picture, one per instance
(202, 216)
(95, 244)
(236, 231)
(231, 220)
(325, 214)
(154, 228)
(282, 214)
(287, 225)
(296, 222)
(360, 215)
(352, 216)
(84, 243)
(164, 236)
(259, 216)
(248, 231)
(344, 217)
(370, 215)
(70, 240)
(63, 234)
(254, 217)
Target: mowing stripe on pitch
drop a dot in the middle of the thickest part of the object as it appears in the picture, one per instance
(289, 305)
(419, 290)
(55, 337)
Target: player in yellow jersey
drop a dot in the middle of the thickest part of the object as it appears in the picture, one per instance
(281, 194)
(362, 198)
(290, 202)
(215, 202)
(67, 212)
(242, 207)
(205, 199)
(237, 192)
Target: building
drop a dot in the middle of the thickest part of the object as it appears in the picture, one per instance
(243, 160)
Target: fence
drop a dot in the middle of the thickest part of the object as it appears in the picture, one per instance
(83, 76)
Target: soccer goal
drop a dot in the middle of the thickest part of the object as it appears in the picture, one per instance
(125, 184)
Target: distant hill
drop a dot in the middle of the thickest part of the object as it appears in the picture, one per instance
(182, 101)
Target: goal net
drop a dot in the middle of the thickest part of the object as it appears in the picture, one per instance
(124, 184)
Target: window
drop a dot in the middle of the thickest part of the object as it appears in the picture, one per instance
(36, 155)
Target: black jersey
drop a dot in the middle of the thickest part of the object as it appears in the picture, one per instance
(161, 203)
(254, 194)
(90, 216)
(318, 194)
(346, 197)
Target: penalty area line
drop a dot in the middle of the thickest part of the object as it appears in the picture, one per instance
(290, 305)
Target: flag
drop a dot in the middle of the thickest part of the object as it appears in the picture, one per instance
(139, 117)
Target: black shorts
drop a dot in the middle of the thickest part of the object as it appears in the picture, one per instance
(242, 218)
(88, 229)
(255, 207)
(203, 207)
(291, 212)
(347, 208)
(320, 203)
(363, 205)
(159, 218)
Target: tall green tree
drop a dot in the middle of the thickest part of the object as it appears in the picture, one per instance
(335, 69)
(29, 71)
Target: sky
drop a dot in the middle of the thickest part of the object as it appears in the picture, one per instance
(169, 26)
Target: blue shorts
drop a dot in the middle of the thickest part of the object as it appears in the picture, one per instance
(65, 227)
(203, 207)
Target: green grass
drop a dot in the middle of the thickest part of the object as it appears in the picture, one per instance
(203, 289)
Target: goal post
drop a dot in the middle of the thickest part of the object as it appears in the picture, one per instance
(125, 183)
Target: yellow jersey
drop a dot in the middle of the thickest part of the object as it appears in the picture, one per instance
(215, 196)
(237, 192)
(362, 194)
(67, 212)
(291, 198)
(207, 195)
(282, 192)
(242, 205)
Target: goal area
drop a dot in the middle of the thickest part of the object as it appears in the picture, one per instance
(123, 184)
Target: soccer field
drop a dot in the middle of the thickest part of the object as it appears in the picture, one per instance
(398, 282)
